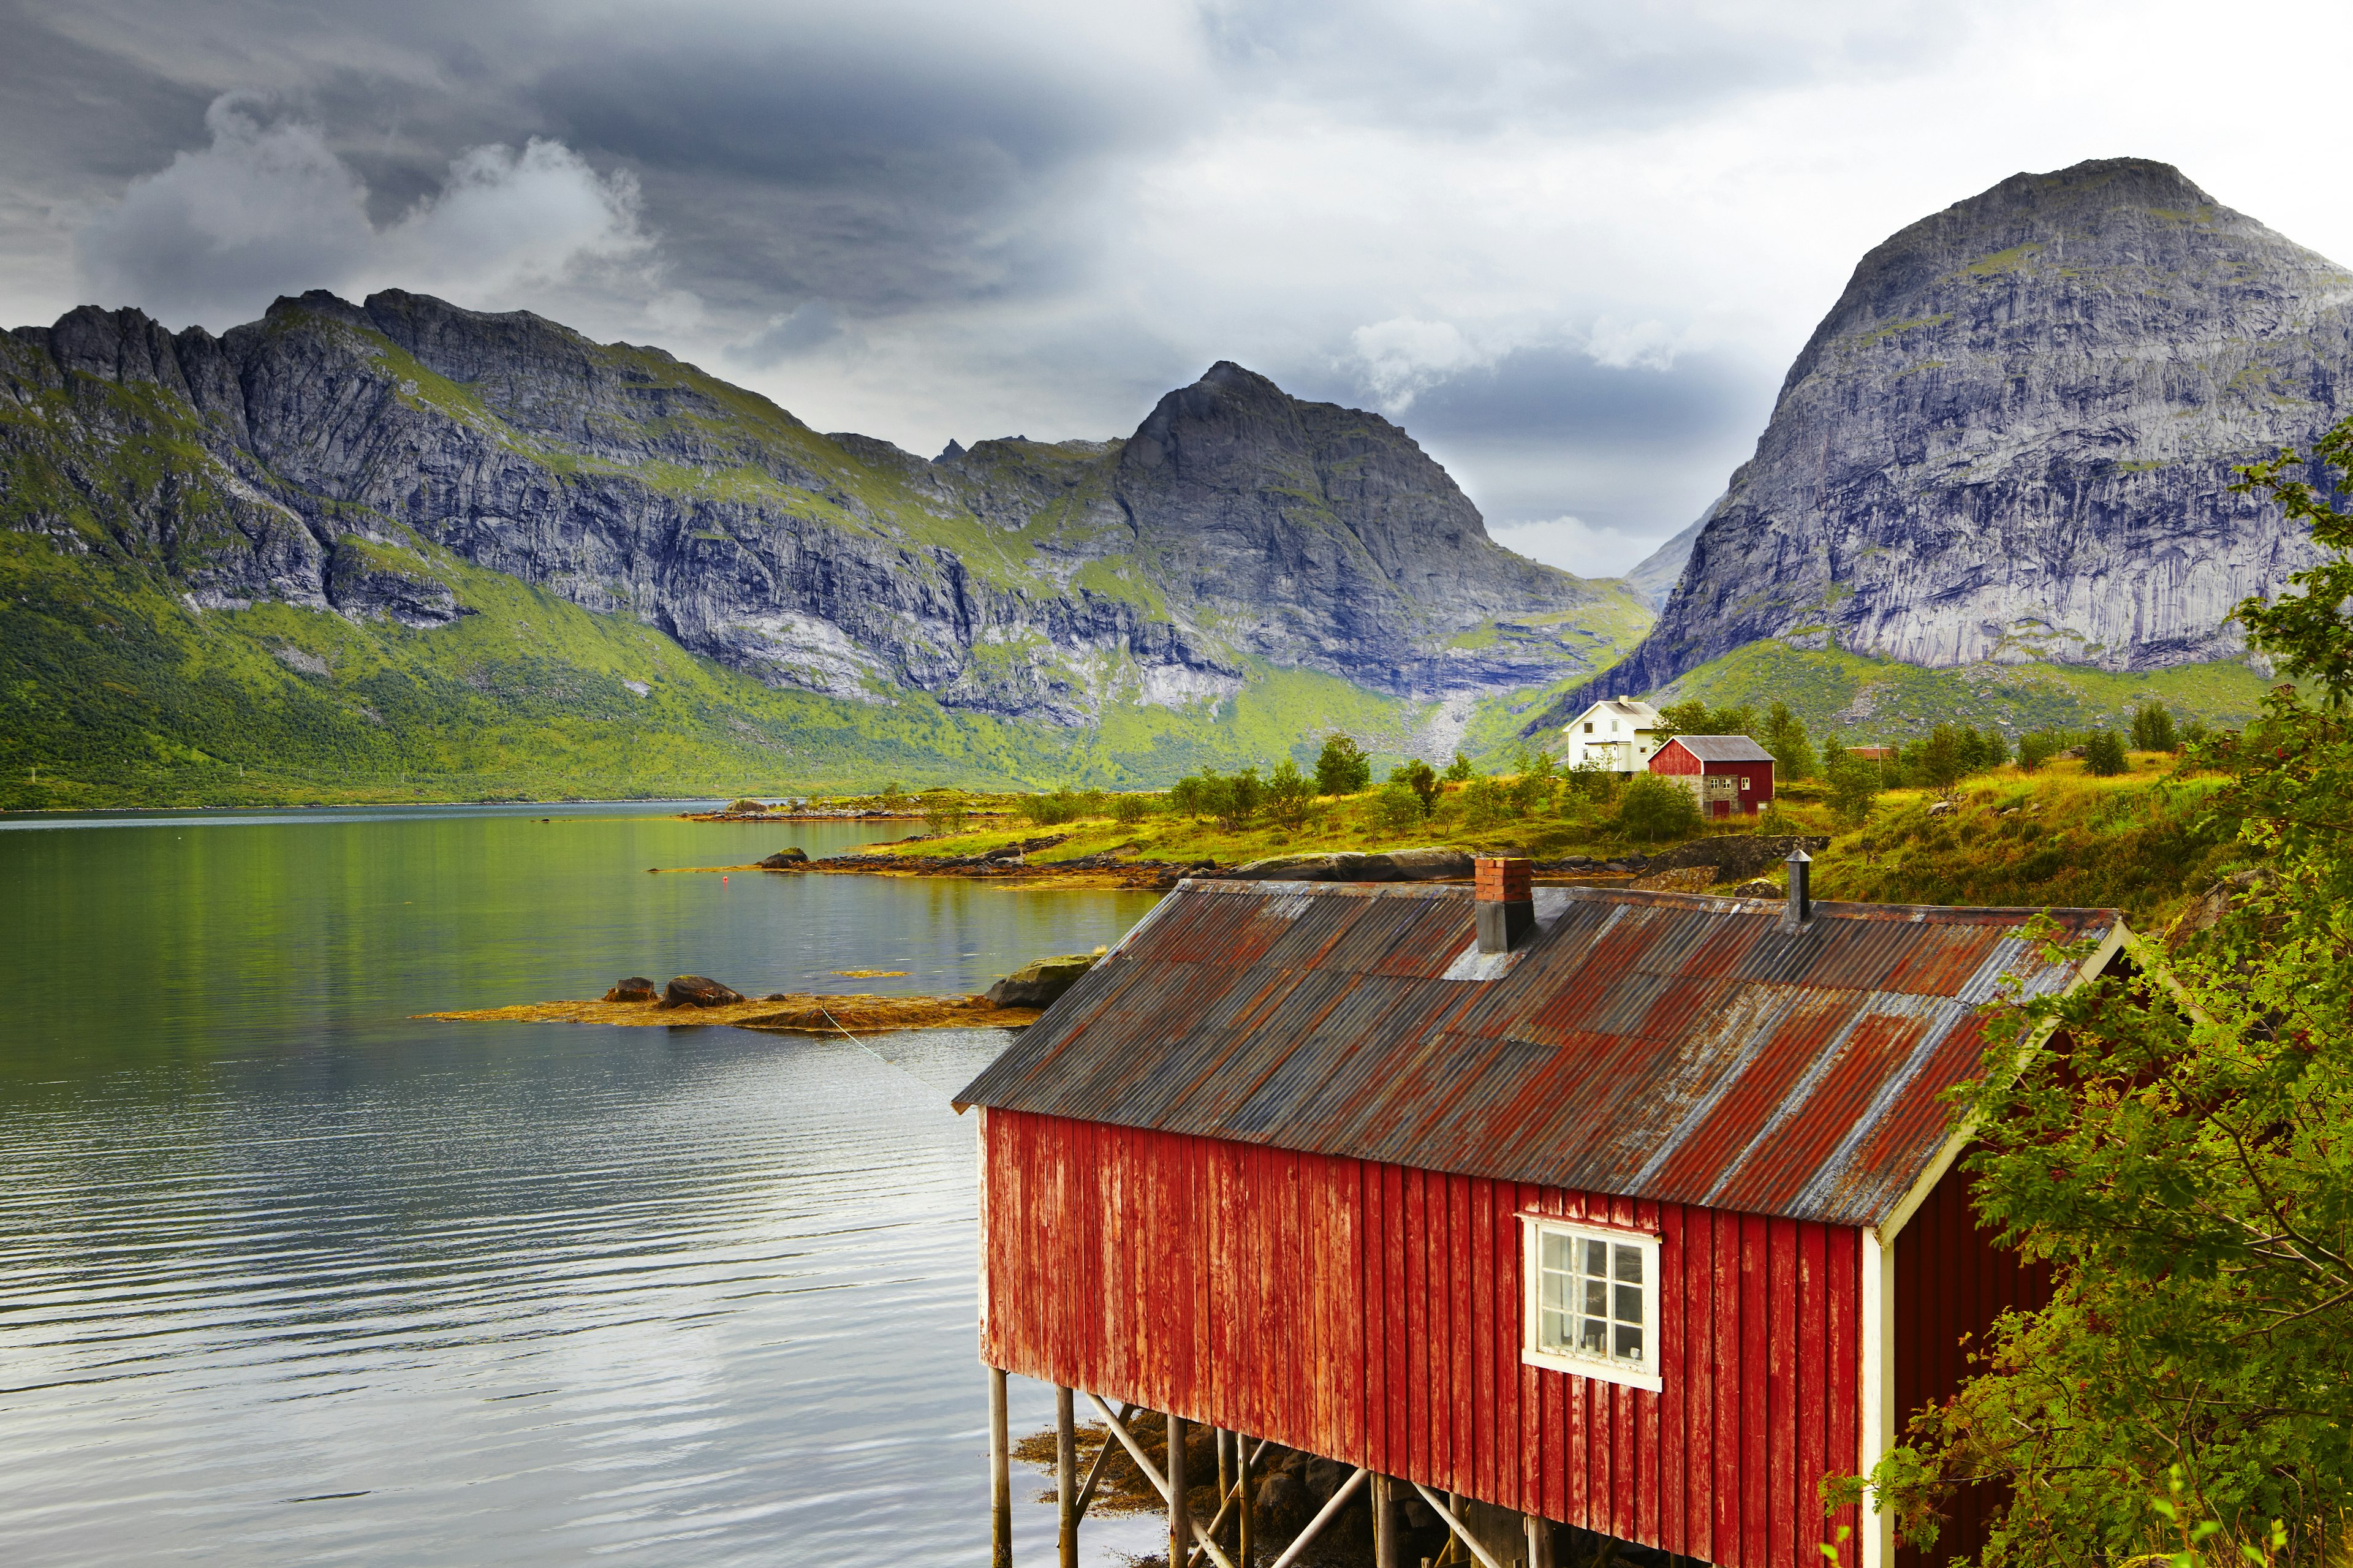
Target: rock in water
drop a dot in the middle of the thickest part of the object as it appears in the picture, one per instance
(694, 991)
(2011, 439)
(1037, 985)
(636, 988)
(784, 859)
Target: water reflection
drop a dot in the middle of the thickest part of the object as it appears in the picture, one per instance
(286, 1277)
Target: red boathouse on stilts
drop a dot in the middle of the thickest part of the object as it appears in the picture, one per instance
(1635, 1212)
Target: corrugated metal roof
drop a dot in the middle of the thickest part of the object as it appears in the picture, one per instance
(1723, 748)
(1666, 1046)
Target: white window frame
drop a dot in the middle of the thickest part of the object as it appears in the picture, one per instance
(1644, 1375)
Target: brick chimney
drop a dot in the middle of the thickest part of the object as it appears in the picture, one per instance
(1506, 908)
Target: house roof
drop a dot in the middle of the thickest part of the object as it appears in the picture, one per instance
(1671, 1047)
(1722, 748)
(1644, 716)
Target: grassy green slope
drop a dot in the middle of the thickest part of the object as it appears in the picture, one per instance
(1865, 698)
(113, 692)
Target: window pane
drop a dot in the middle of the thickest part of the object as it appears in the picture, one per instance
(1596, 1258)
(1630, 1341)
(1629, 1265)
(1555, 1249)
(1555, 1292)
(1552, 1331)
(1597, 1298)
(1630, 1304)
(1596, 1338)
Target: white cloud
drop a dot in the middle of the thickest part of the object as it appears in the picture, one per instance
(1400, 356)
(269, 208)
(1647, 344)
(1572, 544)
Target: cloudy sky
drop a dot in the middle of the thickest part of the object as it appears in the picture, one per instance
(1571, 247)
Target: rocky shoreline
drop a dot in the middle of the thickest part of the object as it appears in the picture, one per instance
(1729, 857)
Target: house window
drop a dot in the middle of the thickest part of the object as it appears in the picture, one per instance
(1592, 1301)
(1743, 783)
(1589, 729)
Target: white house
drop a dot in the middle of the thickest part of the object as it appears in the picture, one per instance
(1620, 735)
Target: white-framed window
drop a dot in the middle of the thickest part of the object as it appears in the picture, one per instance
(1592, 1307)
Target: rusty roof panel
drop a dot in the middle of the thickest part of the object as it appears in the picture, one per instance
(1660, 1045)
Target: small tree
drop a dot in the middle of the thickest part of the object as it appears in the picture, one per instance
(2152, 728)
(1458, 770)
(1342, 767)
(1239, 799)
(893, 797)
(1651, 807)
(1792, 748)
(1419, 777)
(1289, 793)
(1397, 807)
(1854, 786)
(2103, 753)
(1130, 808)
(1942, 759)
(1594, 780)
(2039, 748)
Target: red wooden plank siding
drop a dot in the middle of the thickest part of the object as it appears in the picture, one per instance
(1373, 1314)
(1951, 1281)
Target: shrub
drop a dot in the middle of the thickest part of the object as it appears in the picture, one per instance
(1061, 806)
(1288, 792)
(1419, 777)
(2039, 748)
(1854, 785)
(1129, 809)
(1592, 780)
(1653, 807)
(1342, 767)
(893, 797)
(1213, 794)
(1485, 805)
(1941, 759)
(2152, 728)
(1458, 770)
(2104, 752)
(1397, 808)
(943, 811)
(1538, 778)
(1696, 718)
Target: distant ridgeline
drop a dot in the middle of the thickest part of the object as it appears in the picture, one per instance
(403, 544)
(1994, 484)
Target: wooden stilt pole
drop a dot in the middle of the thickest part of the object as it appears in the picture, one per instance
(1000, 1476)
(1066, 1475)
(1388, 1541)
(1539, 1539)
(1246, 1524)
(1180, 1518)
(1225, 1476)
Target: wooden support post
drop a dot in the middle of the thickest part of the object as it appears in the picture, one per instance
(1306, 1538)
(1539, 1539)
(1000, 1476)
(1225, 1476)
(1066, 1475)
(1180, 1517)
(1246, 1523)
(1389, 1540)
(1460, 1531)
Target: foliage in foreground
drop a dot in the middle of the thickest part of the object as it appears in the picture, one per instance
(2179, 1146)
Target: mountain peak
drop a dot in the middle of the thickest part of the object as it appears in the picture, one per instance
(2011, 439)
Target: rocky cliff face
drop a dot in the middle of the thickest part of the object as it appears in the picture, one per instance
(2012, 438)
(320, 458)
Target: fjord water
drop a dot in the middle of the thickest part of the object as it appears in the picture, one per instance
(288, 1276)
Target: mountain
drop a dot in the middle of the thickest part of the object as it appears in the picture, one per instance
(2012, 440)
(447, 487)
(1655, 576)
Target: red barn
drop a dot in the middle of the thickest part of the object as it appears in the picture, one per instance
(1631, 1211)
(1728, 774)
